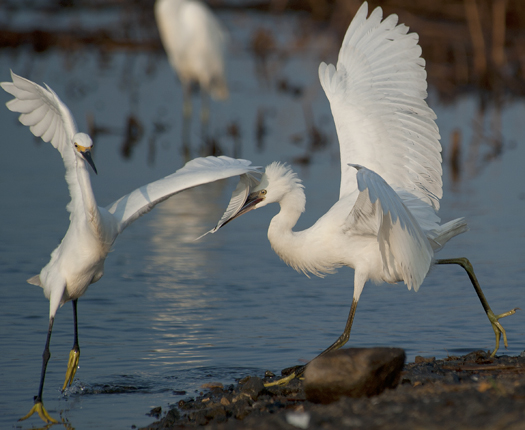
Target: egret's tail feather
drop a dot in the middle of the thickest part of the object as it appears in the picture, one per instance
(440, 236)
(35, 280)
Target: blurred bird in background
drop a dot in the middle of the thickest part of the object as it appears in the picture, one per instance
(195, 42)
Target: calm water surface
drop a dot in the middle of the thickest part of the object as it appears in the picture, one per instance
(171, 314)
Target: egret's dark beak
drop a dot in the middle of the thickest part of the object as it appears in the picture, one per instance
(87, 156)
(249, 205)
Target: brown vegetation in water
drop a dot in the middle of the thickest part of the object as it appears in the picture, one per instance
(468, 44)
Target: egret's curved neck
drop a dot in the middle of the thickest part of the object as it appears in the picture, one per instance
(280, 234)
(88, 198)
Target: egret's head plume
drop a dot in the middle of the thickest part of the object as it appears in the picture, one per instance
(278, 180)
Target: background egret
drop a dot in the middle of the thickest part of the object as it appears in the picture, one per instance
(385, 224)
(195, 42)
(79, 259)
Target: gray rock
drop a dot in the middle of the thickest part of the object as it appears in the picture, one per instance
(353, 372)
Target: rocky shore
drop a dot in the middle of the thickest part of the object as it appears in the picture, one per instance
(474, 391)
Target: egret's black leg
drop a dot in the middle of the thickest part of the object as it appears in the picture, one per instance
(38, 407)
(74, 354)
(296, 371)
(346, 333)
(496, 326)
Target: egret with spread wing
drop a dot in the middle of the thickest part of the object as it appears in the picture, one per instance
(79, 259)
(385, 224)
(195, 42)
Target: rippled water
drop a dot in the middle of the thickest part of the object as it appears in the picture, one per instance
(171, 314)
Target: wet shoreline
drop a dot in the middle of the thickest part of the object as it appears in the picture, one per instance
(473, 391)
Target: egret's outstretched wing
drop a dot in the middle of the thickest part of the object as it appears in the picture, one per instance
(196, 172)
(377, 94)
(379, 211)
(247, 181)
(47, 117)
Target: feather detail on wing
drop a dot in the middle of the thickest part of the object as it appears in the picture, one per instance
(47, 117)
(41, 109)
(246, 182)
(405, 250)
(376, 95)
(196, 172)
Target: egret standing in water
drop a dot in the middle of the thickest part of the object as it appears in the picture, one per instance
(79, 259)
(195, 42)
(385, 225)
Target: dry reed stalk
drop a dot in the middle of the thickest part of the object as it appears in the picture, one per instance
(476, 34)
(499, 10)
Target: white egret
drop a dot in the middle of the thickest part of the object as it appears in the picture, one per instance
(195, 42)
(79, 259)
(385, 225)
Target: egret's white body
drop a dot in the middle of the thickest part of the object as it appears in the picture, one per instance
(372, 231)
(79, 259)
(385, 224)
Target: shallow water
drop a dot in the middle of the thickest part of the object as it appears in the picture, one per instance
(171, 314)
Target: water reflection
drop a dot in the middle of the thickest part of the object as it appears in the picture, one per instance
(178, 222)
(179, 264)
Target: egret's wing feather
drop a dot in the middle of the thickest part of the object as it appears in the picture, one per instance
(379, 211)
(377, 96)
(196, 172)
(47, 117)
(246, 182)
(43, 111)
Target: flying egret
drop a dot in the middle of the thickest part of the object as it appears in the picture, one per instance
(79, 259)
(195, 42)
(385, 225)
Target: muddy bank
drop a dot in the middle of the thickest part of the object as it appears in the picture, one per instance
(469, 392)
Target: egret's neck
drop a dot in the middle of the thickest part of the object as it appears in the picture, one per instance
(280, 233)
(88, 198)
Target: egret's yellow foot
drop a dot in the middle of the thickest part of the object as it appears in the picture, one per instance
(498, 328)
(282, 381)
(291, 373)
(72, 365)
(38, 407)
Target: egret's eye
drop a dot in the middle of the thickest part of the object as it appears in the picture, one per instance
(263, 192)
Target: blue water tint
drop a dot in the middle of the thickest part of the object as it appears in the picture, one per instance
(171, 313)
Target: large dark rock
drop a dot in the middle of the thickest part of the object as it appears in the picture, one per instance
(253, 387)
(353, 372)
